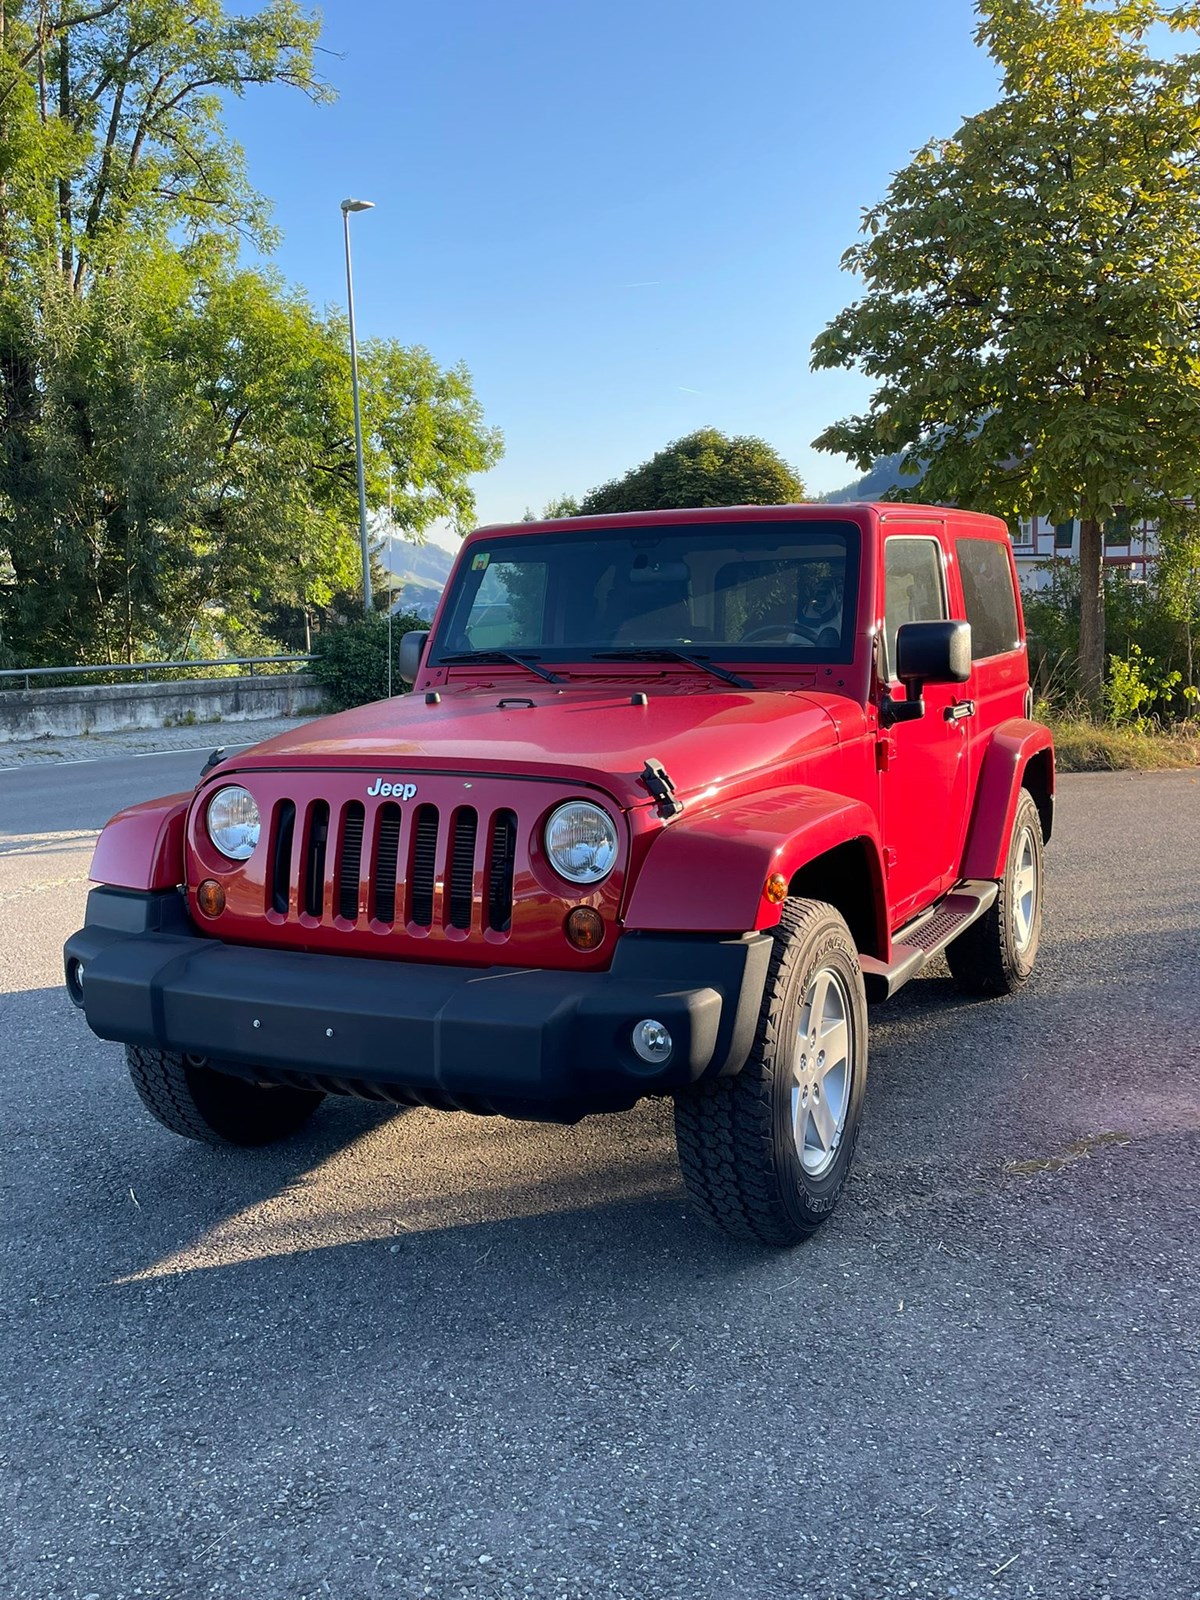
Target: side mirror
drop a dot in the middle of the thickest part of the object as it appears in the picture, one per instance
(927, 652)
(408, 661)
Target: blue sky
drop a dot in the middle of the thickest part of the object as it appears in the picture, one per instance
(626, 219)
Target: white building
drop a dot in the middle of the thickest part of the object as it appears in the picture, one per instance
(1129, 544)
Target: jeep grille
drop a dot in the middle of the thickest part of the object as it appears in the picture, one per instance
(401, 849)
(456, 873)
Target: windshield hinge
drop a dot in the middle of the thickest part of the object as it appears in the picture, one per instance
(661, 790)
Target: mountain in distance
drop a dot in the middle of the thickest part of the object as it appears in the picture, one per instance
(418, 573)
(422, 563)
(873, 485)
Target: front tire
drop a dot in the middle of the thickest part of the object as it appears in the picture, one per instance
(192, 1099)
(996, 954)
(765, 1154)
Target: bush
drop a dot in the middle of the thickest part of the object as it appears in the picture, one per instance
(1084, 746)
(351, 662)
(1150, 661)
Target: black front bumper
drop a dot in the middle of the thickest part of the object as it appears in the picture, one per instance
(514, 1040)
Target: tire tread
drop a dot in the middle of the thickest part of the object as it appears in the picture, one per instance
(980, 960)
(725, 1127)
(197, 1102)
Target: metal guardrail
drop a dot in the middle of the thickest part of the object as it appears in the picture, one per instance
(144, 668)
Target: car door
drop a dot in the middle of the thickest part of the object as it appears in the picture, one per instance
(999, 669)
(923, 764)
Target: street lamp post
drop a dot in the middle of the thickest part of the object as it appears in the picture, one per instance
(347, 207)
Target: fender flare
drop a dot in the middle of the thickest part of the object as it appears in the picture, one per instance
(1013, 746)
(707, 873)
(142, 846)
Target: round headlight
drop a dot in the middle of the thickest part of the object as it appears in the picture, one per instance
(581, 842)
(233, 822)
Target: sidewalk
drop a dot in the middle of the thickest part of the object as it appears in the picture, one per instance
(200, 736)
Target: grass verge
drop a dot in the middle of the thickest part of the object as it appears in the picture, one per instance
(1083, 746)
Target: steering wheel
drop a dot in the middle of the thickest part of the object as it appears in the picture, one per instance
(780, 633)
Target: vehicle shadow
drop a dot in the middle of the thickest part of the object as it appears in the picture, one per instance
(419, 1200)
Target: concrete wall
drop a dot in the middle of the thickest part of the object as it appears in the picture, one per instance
(35, 713)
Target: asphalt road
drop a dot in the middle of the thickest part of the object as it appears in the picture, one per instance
(412, 1354)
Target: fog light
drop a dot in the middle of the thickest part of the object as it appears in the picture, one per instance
(652, 1041)
(585, 928)
(210, 897)
(75, 980)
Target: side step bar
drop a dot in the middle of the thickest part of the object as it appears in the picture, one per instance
(927, 936)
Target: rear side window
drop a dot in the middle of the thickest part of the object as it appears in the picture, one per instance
(913, 587)
(988, 590)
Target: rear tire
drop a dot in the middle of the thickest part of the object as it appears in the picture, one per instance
(996, 954)
(192, 1099)
(765, 1154)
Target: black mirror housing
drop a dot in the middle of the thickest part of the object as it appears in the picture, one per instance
(408, 661)
(926, 652)
(933, 652)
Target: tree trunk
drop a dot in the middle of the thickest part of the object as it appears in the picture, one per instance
(1091, 611)
(66, 219)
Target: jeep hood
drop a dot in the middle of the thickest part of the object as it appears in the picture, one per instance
(705, 737)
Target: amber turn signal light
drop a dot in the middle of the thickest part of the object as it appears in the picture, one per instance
(775, 888)
(210, 897)
(585, 928)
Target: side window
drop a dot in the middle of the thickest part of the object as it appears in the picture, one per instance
(988, 590)
(913, 587)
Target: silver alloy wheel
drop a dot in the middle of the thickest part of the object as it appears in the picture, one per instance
(1024, 891)
(822, 1072)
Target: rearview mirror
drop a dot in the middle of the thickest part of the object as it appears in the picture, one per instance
(927, 652)
(408, 660)
(933, 652)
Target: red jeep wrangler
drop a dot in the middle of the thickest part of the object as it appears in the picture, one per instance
(675, 795)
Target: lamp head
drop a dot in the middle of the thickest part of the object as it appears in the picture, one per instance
(358, 205)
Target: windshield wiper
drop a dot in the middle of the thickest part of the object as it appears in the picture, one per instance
(464, 658)
(665, 653)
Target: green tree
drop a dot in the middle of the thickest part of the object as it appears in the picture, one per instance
(1031, 286)
(707, 468)
(176, 439)
(110, 123)
(562, 505)
(1176, 580)
(188, 470)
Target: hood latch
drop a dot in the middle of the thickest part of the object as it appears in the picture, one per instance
(659, 787)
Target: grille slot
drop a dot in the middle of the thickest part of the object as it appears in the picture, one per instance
(387, 857)
(462, 867)
(353, 823)
(424, 866)
(501, 861)
(316, 845)
(281, 856)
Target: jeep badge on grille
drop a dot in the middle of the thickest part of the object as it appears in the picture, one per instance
(400, 791)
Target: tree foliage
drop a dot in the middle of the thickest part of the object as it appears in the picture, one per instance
(706, 468)
(111, 122)
(176, 435)
(1029, 315)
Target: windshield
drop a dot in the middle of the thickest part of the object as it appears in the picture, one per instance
(758, 591)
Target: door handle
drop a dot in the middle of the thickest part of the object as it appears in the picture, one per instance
(959, 710)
